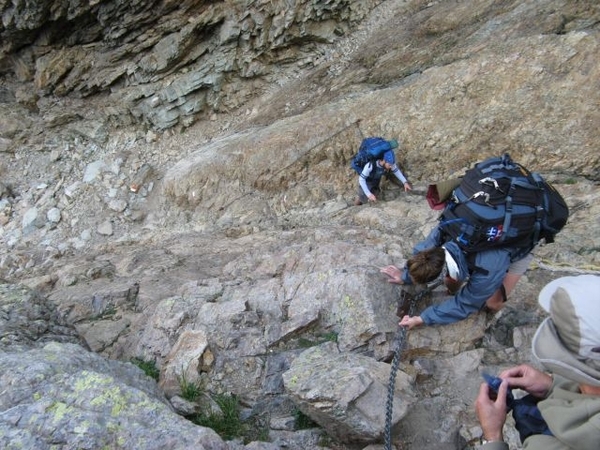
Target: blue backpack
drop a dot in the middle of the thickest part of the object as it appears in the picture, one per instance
(500, 203)
(371, 149)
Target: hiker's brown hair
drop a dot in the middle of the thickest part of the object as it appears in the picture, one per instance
(425, 266)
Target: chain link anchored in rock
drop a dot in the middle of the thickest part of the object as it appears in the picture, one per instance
(397, 346)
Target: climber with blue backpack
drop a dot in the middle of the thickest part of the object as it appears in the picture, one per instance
(483, 242)
(374, 160)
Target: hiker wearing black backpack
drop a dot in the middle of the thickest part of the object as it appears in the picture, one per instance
(374, 160)
(483, 279)
(495, 217)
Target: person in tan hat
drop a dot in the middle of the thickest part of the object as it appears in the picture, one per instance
(567, 344)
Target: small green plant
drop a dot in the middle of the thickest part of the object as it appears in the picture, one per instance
(306, 343)
(108, 313)
(302, 421)
(570, 181)
(261, 434)
(326, 441)
(149, 367)
(228, 423)
(189, 391)
(257, 429)
(332, 336)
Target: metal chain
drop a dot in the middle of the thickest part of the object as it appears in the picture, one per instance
(398, 345)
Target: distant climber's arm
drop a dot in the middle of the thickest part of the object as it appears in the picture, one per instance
(362, 179)
(398, 174)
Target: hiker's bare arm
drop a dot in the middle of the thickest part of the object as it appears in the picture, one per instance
(411, 322)
(394, 274)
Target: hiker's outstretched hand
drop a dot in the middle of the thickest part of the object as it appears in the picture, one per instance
(372, 198)
(407, 187)
(410, 322)
(491, 411)
(393, 273)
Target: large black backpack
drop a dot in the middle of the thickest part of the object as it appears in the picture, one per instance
(500, 203)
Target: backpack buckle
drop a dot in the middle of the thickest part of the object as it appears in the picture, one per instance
(489, 181)
(485, 195)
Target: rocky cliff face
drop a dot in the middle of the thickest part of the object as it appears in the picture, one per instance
(166, 63)
(175, 185)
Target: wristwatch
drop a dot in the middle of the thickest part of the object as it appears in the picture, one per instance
(483, 441)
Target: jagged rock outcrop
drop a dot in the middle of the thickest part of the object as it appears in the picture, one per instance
(343, 392)
(54, 391)
(166, 63)
(175, 183)
(28, 320)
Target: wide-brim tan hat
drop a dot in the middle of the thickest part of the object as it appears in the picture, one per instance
(568, 342)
